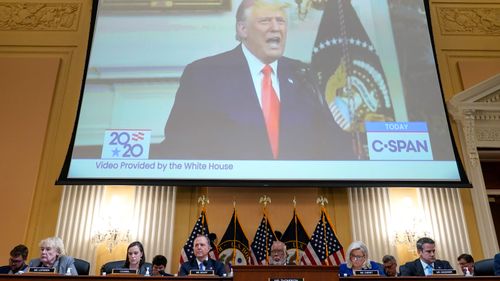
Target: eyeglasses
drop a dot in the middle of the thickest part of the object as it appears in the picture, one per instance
(15, 261)
(277, 252)
(357, 258)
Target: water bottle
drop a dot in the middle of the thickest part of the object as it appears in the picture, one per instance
(147, 272)
(68, 271)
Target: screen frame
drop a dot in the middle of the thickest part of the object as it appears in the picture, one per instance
(64, 180)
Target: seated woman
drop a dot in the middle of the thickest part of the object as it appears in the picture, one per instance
(357, 254)
(53, 255)
(136, 258)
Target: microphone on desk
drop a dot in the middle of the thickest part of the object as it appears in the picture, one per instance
(206, 264)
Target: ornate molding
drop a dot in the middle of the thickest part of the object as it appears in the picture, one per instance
(488, 134)
(469, 20)
(470, 137)
(37, 16)
(492, 98)
(488, 116)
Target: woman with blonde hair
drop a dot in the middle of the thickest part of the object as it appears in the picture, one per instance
(357, 259)
(53, 255)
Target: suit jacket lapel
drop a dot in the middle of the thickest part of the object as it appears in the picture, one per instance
(420, 268)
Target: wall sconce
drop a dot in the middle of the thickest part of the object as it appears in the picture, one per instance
(409, 236)
(111, 237)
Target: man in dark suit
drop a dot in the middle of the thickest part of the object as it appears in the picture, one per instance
(423, 266)
(390, 265)
(17, 261)
(466, 264)
(201, 262)
(223, 109)
(159, 263)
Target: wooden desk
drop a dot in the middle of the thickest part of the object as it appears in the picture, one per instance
(263, 273)
(52, 277)
(423, 278)
(251, 273)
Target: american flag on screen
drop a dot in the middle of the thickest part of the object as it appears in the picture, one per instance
(200, 228)
(261, 245)
(324, 248)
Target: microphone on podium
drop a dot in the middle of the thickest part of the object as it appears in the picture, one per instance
(206, 265)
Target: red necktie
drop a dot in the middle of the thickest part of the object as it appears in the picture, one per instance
(271, 110)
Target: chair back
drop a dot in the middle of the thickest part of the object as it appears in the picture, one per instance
(108, 267)
(4, 269)
(82, 266)
(484, 268)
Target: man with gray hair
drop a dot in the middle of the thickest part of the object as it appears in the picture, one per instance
(252, 103)
(278, 253)
(427, 262)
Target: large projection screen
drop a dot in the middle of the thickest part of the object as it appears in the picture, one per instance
(173, 94)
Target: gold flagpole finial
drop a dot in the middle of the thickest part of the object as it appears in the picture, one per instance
(234, 203)
(265, 200)
(322, 201)
(294, 201)
(203, 201)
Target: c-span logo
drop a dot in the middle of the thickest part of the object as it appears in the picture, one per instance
(126, 144)
(398, 141)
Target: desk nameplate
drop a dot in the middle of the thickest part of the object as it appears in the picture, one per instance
(366, 272)
(195, 272)
(42, 270)
(440, 271)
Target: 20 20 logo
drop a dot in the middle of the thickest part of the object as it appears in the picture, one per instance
(126, 144)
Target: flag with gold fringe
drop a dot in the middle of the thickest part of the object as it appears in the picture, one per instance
(324, 248)
(296, 239)
(234, 247)
(350, 72)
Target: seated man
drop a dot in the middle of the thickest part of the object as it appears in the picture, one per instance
(201, 261)
(466, 264)
(17, 261)
(159, 263)
(423, 266)
(390, 266)
(278, 253)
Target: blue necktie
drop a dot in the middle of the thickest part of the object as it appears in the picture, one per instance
(428, 270)
(202, 267)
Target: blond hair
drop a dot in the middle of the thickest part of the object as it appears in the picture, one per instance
(246, 6)
(358, 245)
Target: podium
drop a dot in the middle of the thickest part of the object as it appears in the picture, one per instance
(305, 273)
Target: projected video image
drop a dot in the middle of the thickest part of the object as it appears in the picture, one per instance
(263, 90)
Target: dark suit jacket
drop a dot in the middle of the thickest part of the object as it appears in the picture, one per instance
(414, 268)
(214, 265)
(496, 264)
(216, 115)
